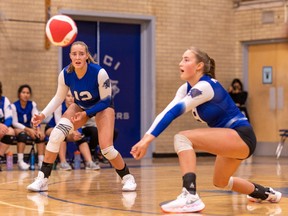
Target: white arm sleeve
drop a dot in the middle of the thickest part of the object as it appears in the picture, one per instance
(59, 97)
(199, 94)
(15, 122)
(7, 108)
(103, 90)
(58, 114)
(34, 109)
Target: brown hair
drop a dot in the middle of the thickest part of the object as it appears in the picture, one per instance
(89, 60)
(209, 63)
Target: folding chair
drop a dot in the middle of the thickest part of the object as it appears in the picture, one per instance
(283, 135)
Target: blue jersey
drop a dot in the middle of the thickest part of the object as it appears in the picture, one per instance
(86, 90)
(209, 102)
(22, 116)
(5, 111)
(92, 92)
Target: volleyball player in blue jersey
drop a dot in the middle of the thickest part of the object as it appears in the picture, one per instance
(23, 110)
(77, 137)
(230, 136)
(91, 89)
(7, 135)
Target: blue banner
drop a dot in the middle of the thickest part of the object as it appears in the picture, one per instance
(119, 54)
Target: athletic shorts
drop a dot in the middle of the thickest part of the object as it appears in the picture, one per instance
(248, 136)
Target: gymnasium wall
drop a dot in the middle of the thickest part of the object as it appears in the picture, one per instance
(217, 27)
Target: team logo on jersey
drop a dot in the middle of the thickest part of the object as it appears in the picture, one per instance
(106, 84)
(115, 88)
(194, 92)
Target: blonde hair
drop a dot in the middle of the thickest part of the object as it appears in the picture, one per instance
(89, 60)
(209, 63)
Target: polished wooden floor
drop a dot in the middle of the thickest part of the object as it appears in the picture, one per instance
(81, 192)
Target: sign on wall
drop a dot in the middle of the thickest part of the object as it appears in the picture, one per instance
(267, 75)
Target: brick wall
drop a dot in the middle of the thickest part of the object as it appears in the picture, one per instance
(214, 26)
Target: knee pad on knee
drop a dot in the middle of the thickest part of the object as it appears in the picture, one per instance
(23, 137)
(65, 126)
(81, 141)
(110, 153)
(38, 140)
(229, 186)
(182, 143)
(9, 139)
(58, 134)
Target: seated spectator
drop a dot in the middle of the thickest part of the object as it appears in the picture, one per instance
(7, 135)
(239, 96)
(23, 110)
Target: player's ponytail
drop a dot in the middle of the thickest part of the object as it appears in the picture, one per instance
(211, 72)
(91, 59)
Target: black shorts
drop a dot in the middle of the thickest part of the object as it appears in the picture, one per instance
(248, 136)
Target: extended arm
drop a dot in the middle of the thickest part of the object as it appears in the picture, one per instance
(200, 93)
(182, 103)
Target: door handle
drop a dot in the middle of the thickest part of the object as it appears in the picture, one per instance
(272, 98)
(280, 97)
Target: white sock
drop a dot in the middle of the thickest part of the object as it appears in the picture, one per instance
(40, 158)
(20, 157)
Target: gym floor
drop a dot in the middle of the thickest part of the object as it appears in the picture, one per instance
(83, 192)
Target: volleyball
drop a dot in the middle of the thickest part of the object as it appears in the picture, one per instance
(61, 30)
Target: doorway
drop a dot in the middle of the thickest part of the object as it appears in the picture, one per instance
(268, 90)
(124, 46)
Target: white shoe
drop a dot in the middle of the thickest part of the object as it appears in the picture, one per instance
(40, 183)
(128, 199)
(129, 183)
(22, 165)
(273, 196)
(65, 166)
(92, 166)
(185, 202)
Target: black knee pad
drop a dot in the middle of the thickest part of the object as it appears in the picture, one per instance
(9, 139)
(81, 141)
(38, 140)
(23, 137)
